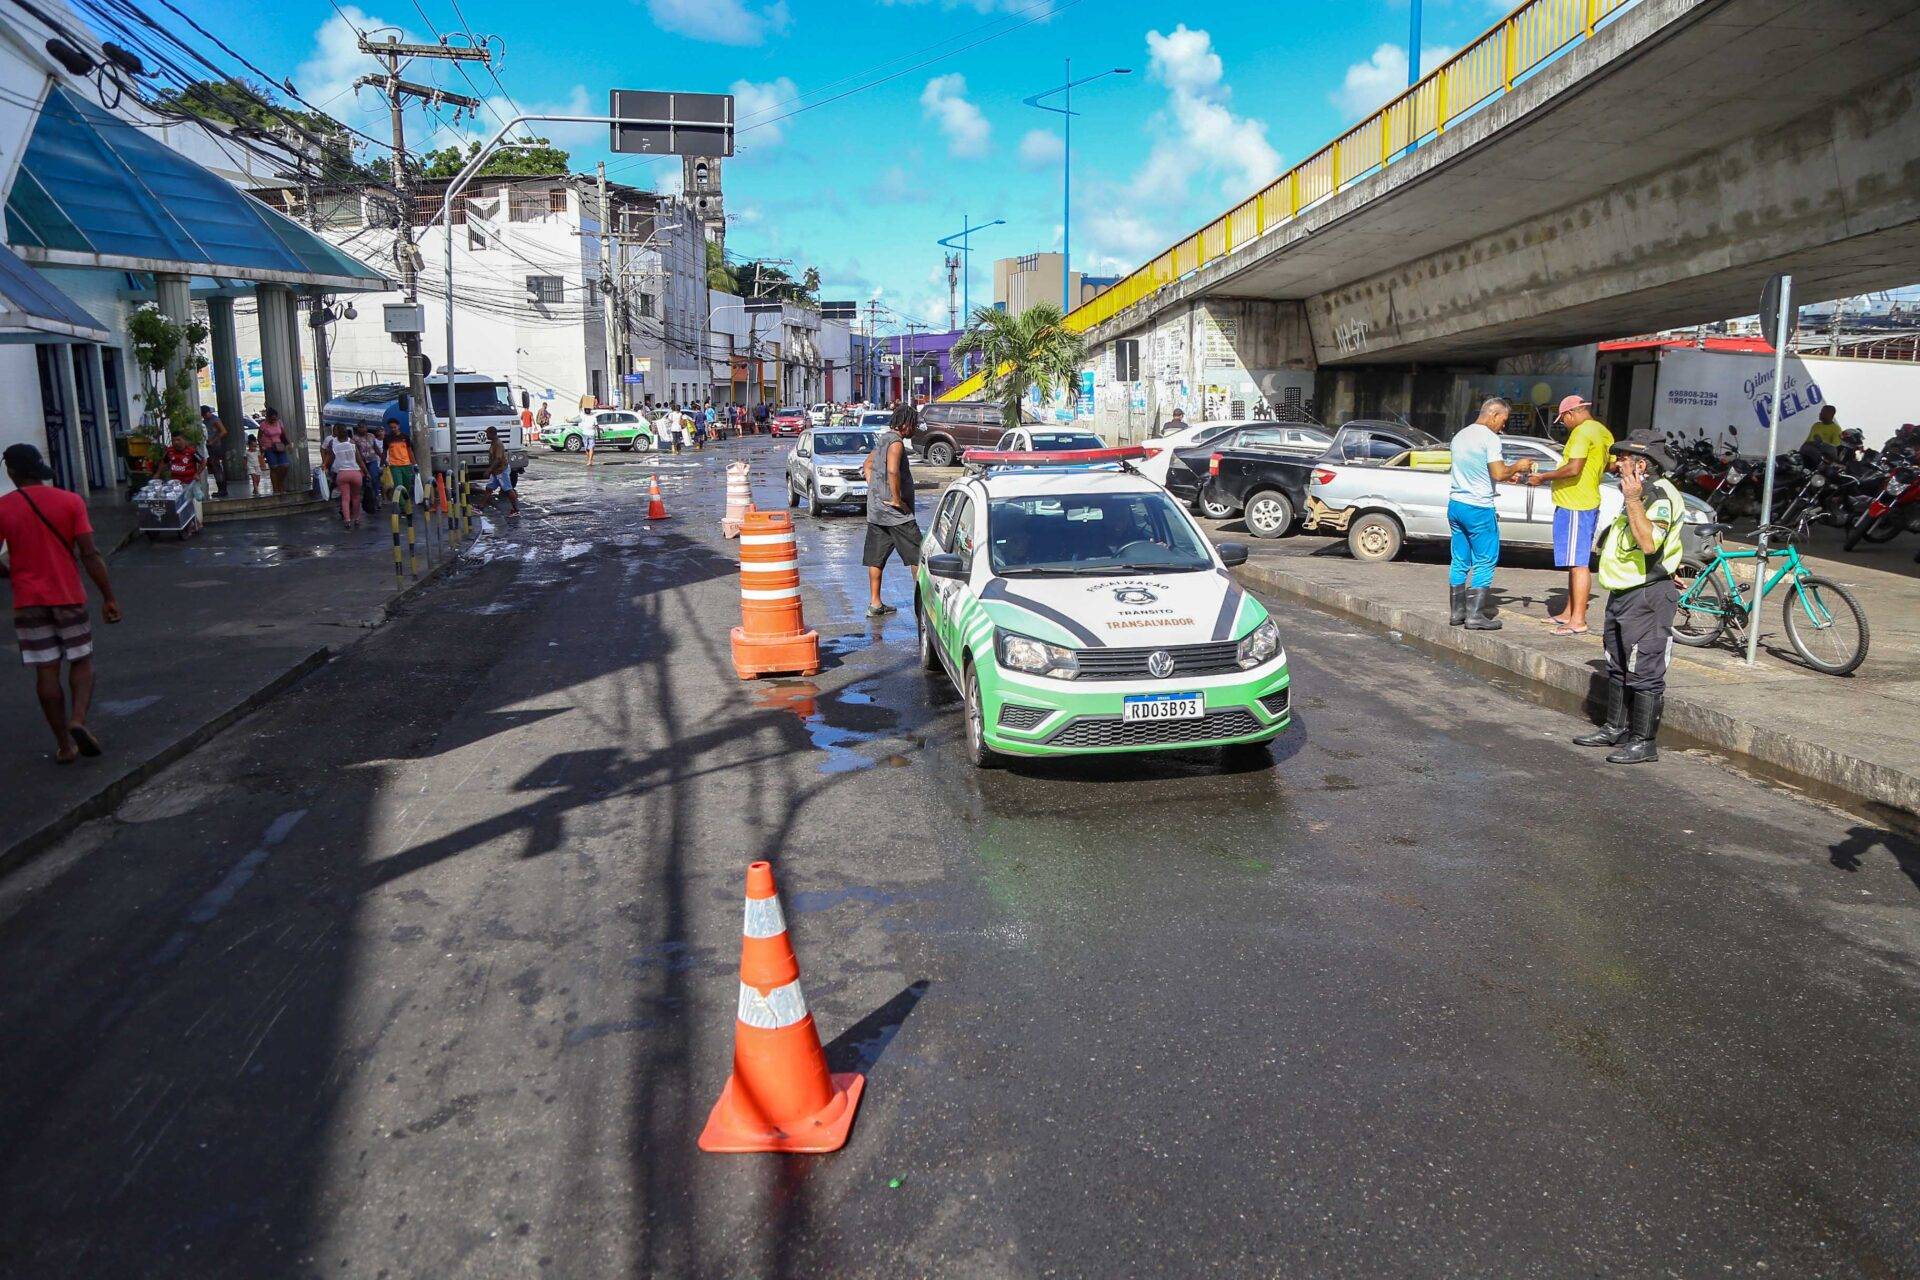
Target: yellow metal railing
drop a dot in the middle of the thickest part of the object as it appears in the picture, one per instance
(1487, 67)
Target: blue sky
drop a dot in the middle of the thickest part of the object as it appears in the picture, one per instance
(1221, 97)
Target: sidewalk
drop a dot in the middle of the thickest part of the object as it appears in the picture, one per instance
(1852, 739)
(213, 627)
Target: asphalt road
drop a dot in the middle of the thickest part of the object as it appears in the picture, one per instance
(429, 969)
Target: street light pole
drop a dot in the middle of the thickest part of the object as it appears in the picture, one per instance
(1413, 47)
(960, 240)
(1066, 168)
(454, 188)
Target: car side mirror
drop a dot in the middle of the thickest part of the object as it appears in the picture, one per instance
(946, 564)
(1232, 553)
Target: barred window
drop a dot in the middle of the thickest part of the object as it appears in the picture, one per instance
(547, 290)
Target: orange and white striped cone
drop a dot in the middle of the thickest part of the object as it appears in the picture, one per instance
(780, 1097)
(772, 638)
(656, 509)
(739, 499)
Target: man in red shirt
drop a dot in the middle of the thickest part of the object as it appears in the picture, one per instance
(43, 529)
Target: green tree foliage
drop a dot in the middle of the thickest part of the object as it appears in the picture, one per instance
(542, 160)
(158, 342)
(232, 103)
(1032, 349)
(764, 280)
(719, 275)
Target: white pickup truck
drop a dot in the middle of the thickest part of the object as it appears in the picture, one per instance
(1381, 506)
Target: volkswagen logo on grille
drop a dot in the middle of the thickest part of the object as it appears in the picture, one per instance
(1160, 664)
(1134, 595)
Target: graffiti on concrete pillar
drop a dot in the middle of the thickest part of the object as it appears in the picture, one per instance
(1351, 335)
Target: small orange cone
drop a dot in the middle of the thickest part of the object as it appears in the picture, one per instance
(780, 1096)
(656, 509)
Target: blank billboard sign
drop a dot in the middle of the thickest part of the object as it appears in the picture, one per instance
(678, 124)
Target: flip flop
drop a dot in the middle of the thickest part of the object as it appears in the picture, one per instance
(1564, 630)
(84, 739)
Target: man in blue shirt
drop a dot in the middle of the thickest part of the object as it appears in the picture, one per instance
(1478, 465)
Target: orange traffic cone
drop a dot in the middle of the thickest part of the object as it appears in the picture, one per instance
(772, 636)
(656, 509)
(780, 1096)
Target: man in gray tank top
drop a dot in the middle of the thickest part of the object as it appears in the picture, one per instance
(890, 522)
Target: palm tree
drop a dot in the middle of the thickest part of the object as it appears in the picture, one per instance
(1032, 349)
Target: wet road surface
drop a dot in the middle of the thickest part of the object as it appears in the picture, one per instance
(429, 968)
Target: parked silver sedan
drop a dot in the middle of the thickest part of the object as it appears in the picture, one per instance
(1383, 505)
(824, 469)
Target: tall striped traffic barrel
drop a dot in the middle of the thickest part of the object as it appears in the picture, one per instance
(772, 638)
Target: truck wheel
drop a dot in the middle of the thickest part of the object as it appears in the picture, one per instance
(940, 454)
(1269, 514)
(1213, 507)
(1376, 538)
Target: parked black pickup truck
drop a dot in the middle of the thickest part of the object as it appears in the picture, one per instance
(1271, 488)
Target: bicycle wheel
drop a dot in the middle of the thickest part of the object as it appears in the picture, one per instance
(1704, 608)
(1825, 625)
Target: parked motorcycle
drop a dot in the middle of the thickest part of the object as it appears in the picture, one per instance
(1893, 510)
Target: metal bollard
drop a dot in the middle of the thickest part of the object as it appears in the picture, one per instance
(393, 516)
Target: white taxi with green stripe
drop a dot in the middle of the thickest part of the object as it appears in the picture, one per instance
(1079, 609)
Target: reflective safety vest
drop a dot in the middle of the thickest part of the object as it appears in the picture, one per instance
(1623, 566)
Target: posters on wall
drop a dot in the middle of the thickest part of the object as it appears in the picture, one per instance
(1220, 339)
(1083, 407)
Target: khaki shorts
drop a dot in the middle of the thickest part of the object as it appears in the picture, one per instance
(51, 634)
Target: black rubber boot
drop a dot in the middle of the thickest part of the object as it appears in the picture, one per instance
(1457, 601)
(1639, 746)
(1614, 731)
(1480, 614)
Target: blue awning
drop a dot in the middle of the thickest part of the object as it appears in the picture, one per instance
(94, 190)
(33, 310)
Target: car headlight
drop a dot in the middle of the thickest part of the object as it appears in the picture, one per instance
(1037, 657)
(1260, 645)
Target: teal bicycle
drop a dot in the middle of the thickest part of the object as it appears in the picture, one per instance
(1824, 623)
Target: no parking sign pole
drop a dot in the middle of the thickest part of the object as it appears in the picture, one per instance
(1776, 317)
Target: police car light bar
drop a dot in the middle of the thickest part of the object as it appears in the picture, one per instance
(1052, 458)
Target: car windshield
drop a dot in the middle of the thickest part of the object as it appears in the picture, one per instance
(1044, 441)
(1096, 533)
(474, 399)
(843, 442)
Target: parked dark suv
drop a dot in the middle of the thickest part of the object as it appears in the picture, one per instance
(949, 430)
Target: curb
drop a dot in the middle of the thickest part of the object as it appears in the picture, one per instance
(1887, 794)
(105, 800)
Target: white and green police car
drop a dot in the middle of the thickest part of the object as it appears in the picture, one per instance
(1078, 610)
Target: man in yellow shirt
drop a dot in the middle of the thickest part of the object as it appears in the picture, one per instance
(1576, 507)
(1827, 430)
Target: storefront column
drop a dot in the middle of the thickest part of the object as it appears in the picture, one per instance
(96, 358)
(77, 472)
(174, 295)
(280, 375)
(226, 386)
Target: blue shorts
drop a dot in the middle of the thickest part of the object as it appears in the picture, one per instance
(1573, 533)
(502, 483)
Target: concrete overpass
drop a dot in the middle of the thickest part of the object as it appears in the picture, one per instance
(1651, 174)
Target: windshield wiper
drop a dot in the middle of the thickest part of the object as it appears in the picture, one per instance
(1040, 571)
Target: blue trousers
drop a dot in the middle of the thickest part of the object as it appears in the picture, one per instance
(1476, 544)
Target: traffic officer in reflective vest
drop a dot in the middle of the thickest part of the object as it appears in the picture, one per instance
(1638, 557)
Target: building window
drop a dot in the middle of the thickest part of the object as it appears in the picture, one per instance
(592, 288)
(646, 304)
(557, 200)
(549, 291)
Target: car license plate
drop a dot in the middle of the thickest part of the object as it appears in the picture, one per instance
(1162, 706)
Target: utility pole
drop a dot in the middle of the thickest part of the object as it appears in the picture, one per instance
(614, 364)
(392, 53)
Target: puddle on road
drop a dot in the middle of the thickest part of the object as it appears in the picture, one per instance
(837, 723)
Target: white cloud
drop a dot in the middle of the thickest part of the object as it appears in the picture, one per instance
(897, 186)
(1041, 9)
(1040, 149)
(721, 21)
(1370, 85)
(944, 101)
(1207, 138)
(755, 106)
